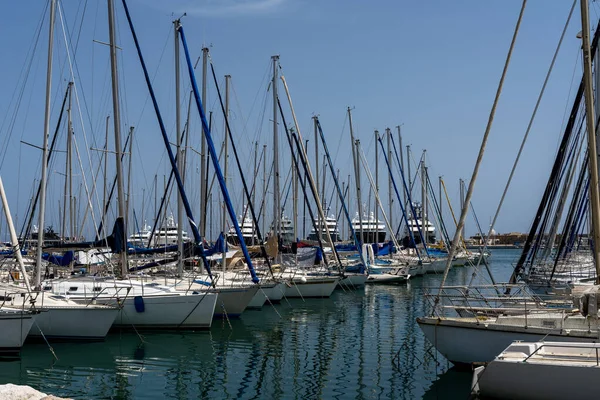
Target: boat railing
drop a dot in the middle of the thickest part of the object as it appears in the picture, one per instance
(591, 347)
(482, 300)
(7, 299)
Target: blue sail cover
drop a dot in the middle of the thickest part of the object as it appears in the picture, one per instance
(218, 247)
(61, 261)
(384, 250)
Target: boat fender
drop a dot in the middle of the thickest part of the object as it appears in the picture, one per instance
(138, 301)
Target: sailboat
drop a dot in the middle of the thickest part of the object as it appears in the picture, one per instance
(484, 324)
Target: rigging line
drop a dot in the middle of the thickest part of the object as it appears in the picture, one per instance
(193, 226)
(83, 130)
(337, 151)
(61, 11)
(463, 216)
(24, 72)
(212, 151)
(229, 133)
(146, 102)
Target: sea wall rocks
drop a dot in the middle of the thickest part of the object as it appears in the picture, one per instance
(21, 392)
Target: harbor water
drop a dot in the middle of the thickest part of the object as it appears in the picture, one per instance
(362, 344)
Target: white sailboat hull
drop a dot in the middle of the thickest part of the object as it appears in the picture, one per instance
(467, 343)
(566, 373)
(276, 293)
(15, 327)
(386, 278)
(310, 287)
(353, 280)
(169, 311)
(73, 323)
(234, 300)
(435, 266)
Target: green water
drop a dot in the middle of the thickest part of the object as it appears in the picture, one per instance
(362, 344)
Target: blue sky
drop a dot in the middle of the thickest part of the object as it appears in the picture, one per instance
(432, 66)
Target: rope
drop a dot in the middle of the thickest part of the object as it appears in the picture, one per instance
(465, 209)
(533, 115)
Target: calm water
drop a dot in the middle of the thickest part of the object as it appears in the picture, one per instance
(362, 344)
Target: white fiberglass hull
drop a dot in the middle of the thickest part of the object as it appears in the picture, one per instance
(260, 298)
(310, 287)
(352, 280)
(234, 300)
(540, 370)
(468, 342)
(276, 293)
(385, 278)
(15, 327)
(169, 311)
(73, 323)
(435, 266)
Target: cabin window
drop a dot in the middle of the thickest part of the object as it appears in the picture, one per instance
(47, 287)
(97, 289)
(73, 289)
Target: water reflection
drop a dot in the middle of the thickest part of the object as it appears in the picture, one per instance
(361, 344)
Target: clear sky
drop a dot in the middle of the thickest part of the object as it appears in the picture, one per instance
(432, 66)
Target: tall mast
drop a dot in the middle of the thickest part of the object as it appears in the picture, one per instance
(319, 227)
(203, 169)
(14, 241)
(225, 167)
(356, 175)
(388, 134)
(401, 156)
(590, 122)
(295, 205)
(255, 188)
(180, 211)
(276, 192)
(461, 183)
(409, 189)
(440, 195)
(264, 196)
(117, 126)
(68, 190)
(424, 199)
(376, 188)
(104, 199)
(42, 211)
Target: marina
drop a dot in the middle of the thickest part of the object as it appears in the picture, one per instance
(360, 344)
(169, 231)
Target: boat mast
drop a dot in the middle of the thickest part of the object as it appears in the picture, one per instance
(590, 122)
(42, 211)
(319, 226)
(264, 194)
(254, 188)
(424, 200)
(68, 190)
(376, 190)
(461, 183)
(225, 168)
(203, 164)
(276, 193)
(13, 235)
(356, 176)
(176, 24)
(117, 128)
(388, 134)
(409, 189)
